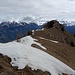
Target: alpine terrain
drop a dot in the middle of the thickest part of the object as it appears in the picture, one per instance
(49, 51)
(37, 37)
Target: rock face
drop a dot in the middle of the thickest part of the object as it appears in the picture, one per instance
(54, 24)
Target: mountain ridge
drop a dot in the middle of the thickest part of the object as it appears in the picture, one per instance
(53, 44)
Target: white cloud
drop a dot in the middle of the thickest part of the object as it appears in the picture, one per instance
(59, 9)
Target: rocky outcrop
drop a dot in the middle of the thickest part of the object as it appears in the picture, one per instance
(54, 24)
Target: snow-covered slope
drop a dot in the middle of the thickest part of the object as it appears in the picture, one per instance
(23, 54)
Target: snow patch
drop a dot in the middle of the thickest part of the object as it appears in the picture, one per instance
(29, 41)
(49, 40)
(54, 41)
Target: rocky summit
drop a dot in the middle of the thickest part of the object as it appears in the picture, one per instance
(54, 24)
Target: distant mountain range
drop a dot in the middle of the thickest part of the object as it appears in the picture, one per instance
(10, 30)
(69, 26)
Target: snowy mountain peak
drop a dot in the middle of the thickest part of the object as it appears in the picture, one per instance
(68, 23)
(27, 19)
